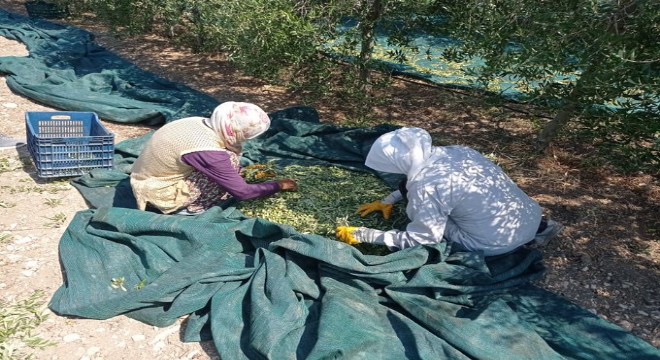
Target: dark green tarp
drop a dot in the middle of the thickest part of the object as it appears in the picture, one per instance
(262, 290)
(67, 70)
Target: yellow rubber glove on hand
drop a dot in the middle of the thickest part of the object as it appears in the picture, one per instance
(367, 209)
(345, 234)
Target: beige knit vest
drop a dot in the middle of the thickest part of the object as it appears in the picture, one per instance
(158, 174)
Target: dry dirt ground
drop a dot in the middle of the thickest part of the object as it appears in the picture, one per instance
(607, 260)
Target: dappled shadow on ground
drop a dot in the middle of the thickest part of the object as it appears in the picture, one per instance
(608, 258)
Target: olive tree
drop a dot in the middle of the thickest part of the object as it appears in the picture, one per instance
(594, 61)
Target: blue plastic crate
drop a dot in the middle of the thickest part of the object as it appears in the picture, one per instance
(68, 143)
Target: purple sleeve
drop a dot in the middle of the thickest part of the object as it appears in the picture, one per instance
(217, 166)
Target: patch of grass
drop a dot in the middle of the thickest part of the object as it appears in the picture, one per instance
(18, 320)
(5, 238)
(25, 189)
(57, 220)
(53, 188)
(4, 165)
(6, 204)
(53, 202)
(60, 183)
(327, 197)
(57, 186)
(9, 164)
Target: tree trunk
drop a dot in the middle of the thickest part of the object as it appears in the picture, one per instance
(551, 129)
(367, 30)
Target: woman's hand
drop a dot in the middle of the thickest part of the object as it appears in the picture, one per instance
(287, 185)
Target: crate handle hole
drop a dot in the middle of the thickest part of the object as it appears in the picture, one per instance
(61, 117)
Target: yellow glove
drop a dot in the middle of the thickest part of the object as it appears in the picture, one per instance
(345, 234)
(367, 209)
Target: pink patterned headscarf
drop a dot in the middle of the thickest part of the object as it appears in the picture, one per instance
(237, 122)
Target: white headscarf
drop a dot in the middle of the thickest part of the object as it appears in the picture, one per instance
(403, 151)
(237, 122)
